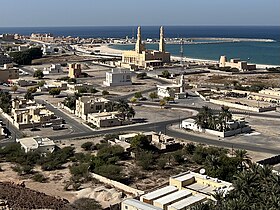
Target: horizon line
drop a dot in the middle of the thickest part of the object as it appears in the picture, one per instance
(168, 25)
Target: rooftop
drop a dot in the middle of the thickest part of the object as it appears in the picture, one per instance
(160, 192)
(140, 205)
(188, 201)
(173, 196)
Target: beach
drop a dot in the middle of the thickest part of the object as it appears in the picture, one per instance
(106, 49)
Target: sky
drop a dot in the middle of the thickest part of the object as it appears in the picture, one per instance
(36, 13)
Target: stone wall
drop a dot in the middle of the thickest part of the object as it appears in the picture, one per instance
(118, 185)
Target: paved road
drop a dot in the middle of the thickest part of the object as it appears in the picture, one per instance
(76, 126)
(157, 126)
(220, 143)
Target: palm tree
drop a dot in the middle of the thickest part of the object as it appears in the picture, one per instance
(130, 113)
(243, 158)
(224, 116)
(203, 117)
(122, 106)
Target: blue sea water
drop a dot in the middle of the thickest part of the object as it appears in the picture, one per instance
(258, 52)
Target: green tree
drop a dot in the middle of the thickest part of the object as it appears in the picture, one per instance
(145, 159)
(142, 75)
(5, 101)
(39, 74)
(32, 90)
(166, 74)
(41, 83)
(138, 95)
(133, 100)
(14, 88)
(153, 95)
(87, 146)
(162, 103)
(140, 142)
(86, 204)
(105, 92)
(28, 96)
(54, 91)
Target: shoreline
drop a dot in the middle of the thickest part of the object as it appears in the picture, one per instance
(105, 48)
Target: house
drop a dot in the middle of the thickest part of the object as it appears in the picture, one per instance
(175, 91)
(105, 119)
(190, 124)
(8, 73)
(233, 127)
(29, 114)
(74, 88)
(164, 142)
(40, 144)
(118, 77)
(88, 104)
(53, 69)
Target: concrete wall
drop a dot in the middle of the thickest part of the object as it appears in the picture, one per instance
(117, 185)
(228, 133)
(239, 106)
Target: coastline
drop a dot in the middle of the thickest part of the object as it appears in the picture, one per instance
(105, 48)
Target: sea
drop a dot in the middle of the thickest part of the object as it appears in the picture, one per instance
(253, 51)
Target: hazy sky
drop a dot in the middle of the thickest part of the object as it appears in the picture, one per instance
(138, 12)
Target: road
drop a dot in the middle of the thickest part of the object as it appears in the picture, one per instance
(76, 126)
(220, 143)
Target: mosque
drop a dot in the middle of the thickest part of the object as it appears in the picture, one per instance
(143, 58)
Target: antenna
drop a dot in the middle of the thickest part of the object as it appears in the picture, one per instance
(182, 51)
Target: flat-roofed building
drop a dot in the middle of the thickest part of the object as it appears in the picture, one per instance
(175, 91)
(29, 114)
(154, 195)
(167, 200)
(236, 63)
(199, 183)
(188, 202)
(104, 119)
(8, 73)
(118, 77)
(88, 104)
(40, 144)
(133, 204)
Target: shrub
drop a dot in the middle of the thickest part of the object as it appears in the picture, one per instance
(87, 146)
(38, 177)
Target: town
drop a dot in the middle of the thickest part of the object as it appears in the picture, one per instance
(133, 129)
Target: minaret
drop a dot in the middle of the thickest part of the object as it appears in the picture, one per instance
(161, 40)
(182, 83)
(139, 46)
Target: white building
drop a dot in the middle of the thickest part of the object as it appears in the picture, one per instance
(176, 91)
(38, 143)
(190, 124)
(2, 134)
(47, 49)
(118, 77)
(55, 68)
